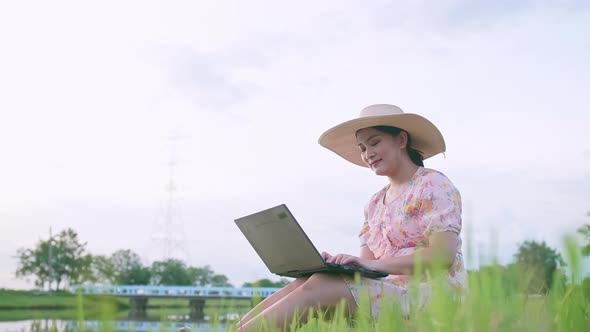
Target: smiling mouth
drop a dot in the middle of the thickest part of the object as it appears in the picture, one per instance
(375, 163)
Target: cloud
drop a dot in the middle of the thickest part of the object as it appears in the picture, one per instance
(466, 17)
(204, 79)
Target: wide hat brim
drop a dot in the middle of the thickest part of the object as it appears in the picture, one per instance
(425, 137)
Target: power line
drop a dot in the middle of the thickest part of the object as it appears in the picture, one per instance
(168, 236)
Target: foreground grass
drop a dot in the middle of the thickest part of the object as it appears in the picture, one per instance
(491, 306)
(497, 301)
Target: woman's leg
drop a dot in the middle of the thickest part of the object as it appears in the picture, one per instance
(267, 302)
(320, 291)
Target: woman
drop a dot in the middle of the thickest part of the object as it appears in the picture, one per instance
(417, 213)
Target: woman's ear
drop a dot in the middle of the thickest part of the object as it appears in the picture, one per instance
(403, 139)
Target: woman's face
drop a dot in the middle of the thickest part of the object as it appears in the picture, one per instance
(380, 151)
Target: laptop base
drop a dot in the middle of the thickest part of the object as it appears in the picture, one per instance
(332, 268)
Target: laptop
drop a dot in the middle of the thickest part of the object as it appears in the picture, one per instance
(285, 248)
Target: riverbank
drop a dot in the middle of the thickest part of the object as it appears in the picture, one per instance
(18, 305)
(39, 300)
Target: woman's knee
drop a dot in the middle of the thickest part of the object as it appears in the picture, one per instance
(325, 290)
(318, 281)
(299, 281)
(295, 284)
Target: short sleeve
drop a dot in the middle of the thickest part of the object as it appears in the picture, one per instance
(440, 210)
(364, 234)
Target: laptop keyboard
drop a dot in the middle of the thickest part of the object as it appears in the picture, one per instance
(355, 269)
(346, 267)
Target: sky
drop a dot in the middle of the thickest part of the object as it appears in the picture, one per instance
(103, 103)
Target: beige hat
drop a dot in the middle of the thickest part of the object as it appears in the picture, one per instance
(341, 139)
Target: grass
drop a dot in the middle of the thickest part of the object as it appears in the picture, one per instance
(182, 303)
(497, 301)
(37, 300)
(23, 305)
(491, 305)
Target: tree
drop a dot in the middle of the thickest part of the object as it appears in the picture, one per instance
(220, 280)
(103, 269)
(585, 231)
(123, 267)
(171, 272)
(267, 283)
(204, 276)
(72, 263)
(35, 262)
(58, 260)
(201, 275)
(128, 268)
(539, 263)
(176, 272)
(137, 275)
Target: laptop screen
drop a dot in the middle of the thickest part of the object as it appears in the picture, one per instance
(279, 241)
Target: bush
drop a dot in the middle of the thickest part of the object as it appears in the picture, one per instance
(586, 288)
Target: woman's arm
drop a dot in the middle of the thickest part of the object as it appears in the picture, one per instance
(366, 253)
(440, 252)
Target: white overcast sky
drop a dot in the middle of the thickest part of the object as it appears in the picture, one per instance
(89, 93)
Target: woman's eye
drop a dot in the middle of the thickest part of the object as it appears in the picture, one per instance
(374, 143)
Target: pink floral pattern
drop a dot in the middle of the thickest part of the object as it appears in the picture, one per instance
(429, 204)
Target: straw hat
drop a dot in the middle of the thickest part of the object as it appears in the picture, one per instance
(341, 139)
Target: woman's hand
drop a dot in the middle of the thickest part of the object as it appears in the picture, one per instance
(345, 259)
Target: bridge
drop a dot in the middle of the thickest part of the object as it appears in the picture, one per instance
(139, 294)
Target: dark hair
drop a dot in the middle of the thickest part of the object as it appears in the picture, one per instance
(415, 155)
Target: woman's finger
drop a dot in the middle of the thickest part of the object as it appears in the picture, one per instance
(349, 260)
(335, 258)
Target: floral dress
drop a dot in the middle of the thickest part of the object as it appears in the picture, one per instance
(429, 204)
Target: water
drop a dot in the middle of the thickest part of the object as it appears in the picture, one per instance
(93, 325)
(36, 325)
(170, 322)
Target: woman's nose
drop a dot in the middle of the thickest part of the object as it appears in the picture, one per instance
(368, 155)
